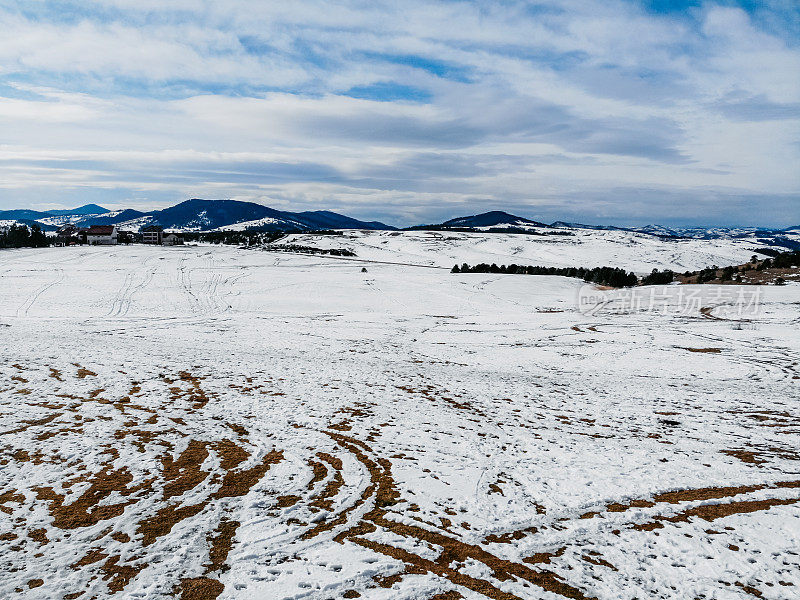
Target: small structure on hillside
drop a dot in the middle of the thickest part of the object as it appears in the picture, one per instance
(152, 234)
(172, 238)
(126, 237)
(68, 235)
(101, 235)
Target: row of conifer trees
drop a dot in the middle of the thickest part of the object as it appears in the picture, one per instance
(610, 276)
(22, 236)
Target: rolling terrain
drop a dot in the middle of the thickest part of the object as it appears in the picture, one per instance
(635, 251)
(213, 422)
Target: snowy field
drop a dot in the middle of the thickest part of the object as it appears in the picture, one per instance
(205, 422)
(584, 248)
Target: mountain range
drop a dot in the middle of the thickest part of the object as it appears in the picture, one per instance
(500, 221)
(234, 215)
(194, 215)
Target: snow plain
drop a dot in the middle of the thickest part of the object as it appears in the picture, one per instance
(638, 252)
(205, 422)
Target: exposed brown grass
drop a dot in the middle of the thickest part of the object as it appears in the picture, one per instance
(199, 588)
(711, 512)
(27, 423)
(238, 483)
(385, 494)
(118, 576)
(39, 536)
(84, 373)
(221, 542)
(287, 501)
(86, 510)
(510, 537)
(241, 470)
(10, 496)
(184, 473)
(192, 393)
(595, 558)
(319, 472)
(165, 519)
(324, 500)
(744, 456)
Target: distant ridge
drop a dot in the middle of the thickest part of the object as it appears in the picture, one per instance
(21, 214)
(28, 222)
(86, 209)
(114, 217)
(565, 224)
(324, 219)
(205, 215)
(194, 215)
(496, 220)
(220, 215)
(50, 220)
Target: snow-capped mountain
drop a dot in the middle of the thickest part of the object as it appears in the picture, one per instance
(86, 209)
(206, 215)
(503, 222)
(50, 220)
(193, 215)
(234, 215)
(492, 220)
(116, 217)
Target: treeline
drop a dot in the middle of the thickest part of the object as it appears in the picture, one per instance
(786, 260)
(770, 251)
(22, 236)
(234, 238)
(309, 250)
(778, 242)
(778, 260)
(610, 276)
(247, 237)
(657, 277)
(487, 230)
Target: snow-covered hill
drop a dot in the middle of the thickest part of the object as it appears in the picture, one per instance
(493, 219)
(584, 247)
(212, 422)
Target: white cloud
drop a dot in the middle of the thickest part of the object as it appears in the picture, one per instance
(249, 100)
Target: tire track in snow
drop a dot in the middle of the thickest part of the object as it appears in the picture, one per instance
(122, 292)
(26, 306)
(185, 282)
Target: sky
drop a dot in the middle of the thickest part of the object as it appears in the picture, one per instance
(621, 111)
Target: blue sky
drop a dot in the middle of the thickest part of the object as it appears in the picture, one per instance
(676, 112)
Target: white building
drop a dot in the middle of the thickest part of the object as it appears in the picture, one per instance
(172, 239)
(101, 235)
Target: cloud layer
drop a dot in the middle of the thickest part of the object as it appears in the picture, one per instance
(621, 111)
